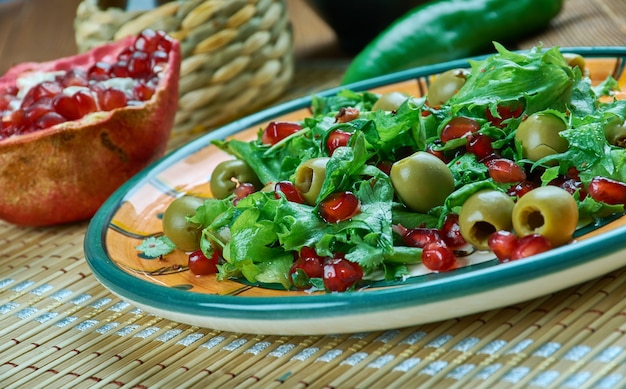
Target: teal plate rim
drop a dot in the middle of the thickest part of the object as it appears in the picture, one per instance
(431, 288)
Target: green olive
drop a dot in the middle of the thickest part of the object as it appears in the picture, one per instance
(549, 211)
(575, 60)
(615, 132)
(390, 101)
(421, 181)
(539, 136)
(445, 86)
(309, 178)
(185, 235)
(228, 174)
(484, 213)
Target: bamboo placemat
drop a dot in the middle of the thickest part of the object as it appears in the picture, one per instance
(60, 328)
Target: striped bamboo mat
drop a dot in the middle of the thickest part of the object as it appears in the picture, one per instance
(60, 328)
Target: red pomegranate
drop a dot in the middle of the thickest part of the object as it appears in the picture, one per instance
(75, 129)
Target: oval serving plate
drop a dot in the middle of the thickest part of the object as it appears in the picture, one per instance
(165, 286)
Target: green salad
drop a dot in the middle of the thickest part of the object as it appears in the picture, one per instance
(375, 184)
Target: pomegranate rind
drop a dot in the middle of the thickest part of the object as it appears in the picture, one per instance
(65, 173)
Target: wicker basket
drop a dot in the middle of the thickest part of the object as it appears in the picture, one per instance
(237, 54)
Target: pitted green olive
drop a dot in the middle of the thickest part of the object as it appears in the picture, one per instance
(539, 136)
(484, 213)
(615, 132)
(445, 86)
(390, 101)
(421, 181)
(228, 174)
(549, 211)
(309, 178)
(185, 235)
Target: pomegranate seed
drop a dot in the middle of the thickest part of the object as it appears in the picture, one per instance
(437, 153)
(85, 103)
(502, 243)
(120, 69)
(451, 231)
(64, 105)
(340, 274)
(158, 57)
(148, 41)
(74, 77)
(44, 89)
(505, 170)
(288, 189)
(436, 256)
(38, 109)
(277, 131)
(143, 91)
(421, 236)
(505, 112)
(311, 264)
(201, 265)
(337, 139)
(339, 206)
(99, 71)
(479, 145)
(139, 64)
(385, 166)
(347, 114)
(110, 98)
(49, 119)
(607, 190)
(521, 188)
(459, 127)
(530, 245)
(242, 191)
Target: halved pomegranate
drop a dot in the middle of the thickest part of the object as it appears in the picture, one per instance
(75, 129)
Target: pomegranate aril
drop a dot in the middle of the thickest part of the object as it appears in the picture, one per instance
(49, 119)
(277, 131)
(451, 232)
(521, 188)
(201, 265)
(341, 274)
(338, 207)
(74, 77)
(607, 190)
(337, 139)
(148, 41)
(289, 190)
(143, 91)
(502, 243)
(158, 57)
(505, 170)
(44, 89)
(505, 112)
(436, 256)
(64, 105)
(421, 236)
(530, 245)
(100, 71)
(479, 145)
(38, 109)
(242, 191)
(110, 99)
(120, 69)
(85, 103)
(310, 264)
(459, 127)
(139, 64)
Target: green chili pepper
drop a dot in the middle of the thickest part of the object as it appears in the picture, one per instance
(444, 30)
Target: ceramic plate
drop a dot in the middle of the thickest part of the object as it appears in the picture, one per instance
(165, 287)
